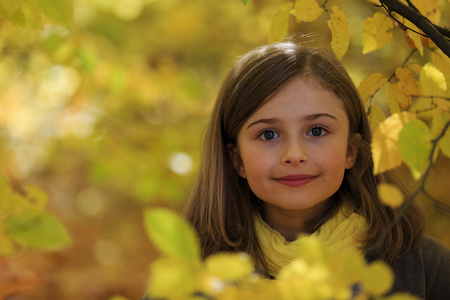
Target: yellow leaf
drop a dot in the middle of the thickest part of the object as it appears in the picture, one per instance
(394, 105)
(295, 268)
(417, 68)
(229, 266)
(350, 266)
(415, 37)
(432, 81)
(313, 250)
(404, 74)
(390, 195)
(414, 143)
(340, 31)
(440, 120)
(280, 23)
(118, 297)
(442, 62)
(6, 244)
(423, 107)
(402, 296)
(430, 9)
(377, 279)
(370, 85)
(171, 278)
(307, 10)
(417, 40)
(442, 103)
(444, 143)
(376, 116)
(385, 152)
(405, 87)
(376, 32)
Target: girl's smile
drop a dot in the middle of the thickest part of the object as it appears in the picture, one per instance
(295, 180)
(294, 149)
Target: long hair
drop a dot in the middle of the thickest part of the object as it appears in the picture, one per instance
(221, 206)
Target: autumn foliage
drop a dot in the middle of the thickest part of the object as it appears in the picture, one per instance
(103, 106)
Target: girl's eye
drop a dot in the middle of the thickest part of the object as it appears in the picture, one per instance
(268, 135)
(317, 131)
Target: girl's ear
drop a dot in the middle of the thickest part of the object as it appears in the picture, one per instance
(235, 157)
(352, 150)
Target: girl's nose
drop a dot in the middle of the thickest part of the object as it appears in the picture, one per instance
(295, 153)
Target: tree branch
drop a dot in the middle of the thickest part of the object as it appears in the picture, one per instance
(442, 207)
(436, 34)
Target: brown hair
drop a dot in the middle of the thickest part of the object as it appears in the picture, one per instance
(221, 205)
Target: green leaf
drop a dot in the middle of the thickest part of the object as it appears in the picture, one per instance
(171, 234)
(37, 231)
(245, 1)
(60, 11)
(414, 142)
(37, 197)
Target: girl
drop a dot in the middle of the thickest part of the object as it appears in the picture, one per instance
(287, 152)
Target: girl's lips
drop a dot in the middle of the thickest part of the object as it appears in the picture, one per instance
(295, 180)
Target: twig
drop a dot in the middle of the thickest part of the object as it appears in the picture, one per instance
(437, 35)
(443, 207)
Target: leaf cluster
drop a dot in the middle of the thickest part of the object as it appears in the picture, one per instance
(412, 126)
(317, 273)
(34, 14)
(25, 224)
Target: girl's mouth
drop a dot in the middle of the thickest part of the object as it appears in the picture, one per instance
(295, 180)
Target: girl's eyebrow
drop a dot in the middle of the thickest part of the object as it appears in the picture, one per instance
(266, 121)
(306, 118)
(316, 116)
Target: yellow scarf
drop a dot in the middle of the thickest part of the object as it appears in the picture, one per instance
(338, 233)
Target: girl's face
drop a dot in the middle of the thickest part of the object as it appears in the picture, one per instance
(294, 149)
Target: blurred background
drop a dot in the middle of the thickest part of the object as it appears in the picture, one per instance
(107, 118)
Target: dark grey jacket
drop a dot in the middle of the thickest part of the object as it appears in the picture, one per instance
(424, 271)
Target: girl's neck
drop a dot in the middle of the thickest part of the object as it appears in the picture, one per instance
(291, 223)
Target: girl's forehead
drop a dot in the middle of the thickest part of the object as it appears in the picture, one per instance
(301, 95)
